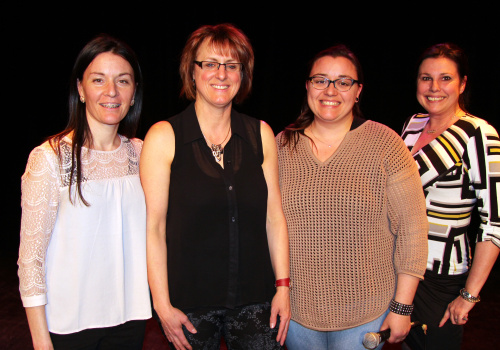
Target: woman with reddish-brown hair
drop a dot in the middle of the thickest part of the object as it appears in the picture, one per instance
(216, 234)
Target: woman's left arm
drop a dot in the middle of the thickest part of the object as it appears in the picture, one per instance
(400, 324)
(485, 255)
(277, 233)
(484, 157)
(408, 222)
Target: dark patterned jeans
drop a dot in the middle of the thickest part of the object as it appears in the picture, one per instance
(245, 327)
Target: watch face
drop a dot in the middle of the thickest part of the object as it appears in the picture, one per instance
(467, 296)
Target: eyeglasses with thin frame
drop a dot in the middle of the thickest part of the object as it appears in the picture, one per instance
(341, 84)
(212, 66)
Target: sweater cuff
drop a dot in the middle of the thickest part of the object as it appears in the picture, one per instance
(412, 273)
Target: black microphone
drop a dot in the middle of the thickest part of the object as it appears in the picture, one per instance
(373, 339)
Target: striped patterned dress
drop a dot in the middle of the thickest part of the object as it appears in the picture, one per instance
(459, 170)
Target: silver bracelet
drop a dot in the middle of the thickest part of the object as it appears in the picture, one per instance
(400, 309)
(467, 296)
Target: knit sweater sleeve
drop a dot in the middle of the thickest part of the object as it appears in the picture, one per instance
(406, 209)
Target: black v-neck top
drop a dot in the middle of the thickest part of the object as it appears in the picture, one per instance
(217, 250)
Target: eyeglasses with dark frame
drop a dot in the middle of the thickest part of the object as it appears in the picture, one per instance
(341, 84)
(211, 66)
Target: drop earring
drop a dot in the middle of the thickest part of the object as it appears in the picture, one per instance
(82, 99)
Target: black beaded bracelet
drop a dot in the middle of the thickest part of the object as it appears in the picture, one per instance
(400, 309)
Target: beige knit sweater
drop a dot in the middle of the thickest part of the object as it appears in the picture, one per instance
(355, 221)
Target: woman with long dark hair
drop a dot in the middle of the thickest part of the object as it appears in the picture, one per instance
(82, 256)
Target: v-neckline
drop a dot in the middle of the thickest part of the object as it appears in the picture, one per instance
(309, 148)
(435, 138)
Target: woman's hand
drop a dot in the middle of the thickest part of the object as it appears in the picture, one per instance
(485, 255)
(399, 325)
(457, 312)
(281, 306)
(172, 321)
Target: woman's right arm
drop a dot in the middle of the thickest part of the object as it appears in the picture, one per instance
(156, 159)
(40, 197)
(37, 322)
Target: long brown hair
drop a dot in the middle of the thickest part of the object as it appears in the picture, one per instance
(77, 123)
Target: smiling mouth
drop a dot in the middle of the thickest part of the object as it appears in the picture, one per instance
(220, 87)
(330, 103)
(110, 105)
(434, 99)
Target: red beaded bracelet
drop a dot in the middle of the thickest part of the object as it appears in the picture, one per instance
(284, 282)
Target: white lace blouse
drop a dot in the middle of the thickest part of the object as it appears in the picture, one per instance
(86, 264)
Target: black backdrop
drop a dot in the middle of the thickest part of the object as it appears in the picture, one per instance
(39, 53)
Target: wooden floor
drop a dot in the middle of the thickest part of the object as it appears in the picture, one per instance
(481, 332)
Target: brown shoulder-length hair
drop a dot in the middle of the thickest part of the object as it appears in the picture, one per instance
(291, 133)
(456, 54)
(225, 39)
(77, 123)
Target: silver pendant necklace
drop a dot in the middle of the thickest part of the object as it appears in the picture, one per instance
(217, 150)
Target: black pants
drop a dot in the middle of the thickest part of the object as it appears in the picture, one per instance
(127, 336)
(245, 327)
(433, 295)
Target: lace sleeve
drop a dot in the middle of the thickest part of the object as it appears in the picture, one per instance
(39, 201)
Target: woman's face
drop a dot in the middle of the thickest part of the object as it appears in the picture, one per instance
(215, 87)
(331, 105)
(108, 87)
(439, 86)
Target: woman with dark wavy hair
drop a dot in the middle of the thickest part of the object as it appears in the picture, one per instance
(217, 238)
(458, 156)
(82, 256)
